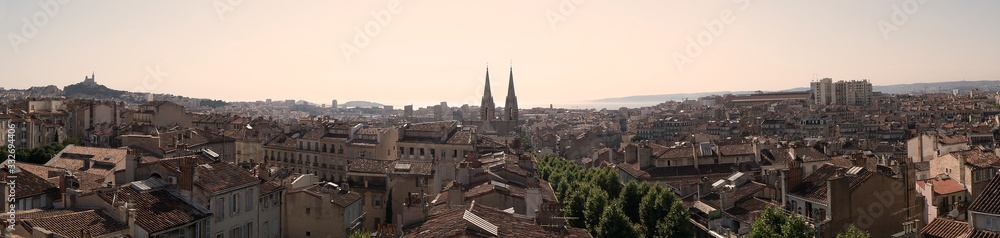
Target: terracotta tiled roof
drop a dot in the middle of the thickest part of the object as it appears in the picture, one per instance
(737, 149)
(810, 154)
(213, 176)
(946, 228)
(982, 234)
(942, 186)
(369, 166)
(776, 156)
(956, 139)
(680, 152)
(989, 199)
(411, 167)
(157, 210)
(27, 184)
(814, 185)
(923, 166)
(339, 198)
(978, 158)
(73, 157)
(747, 210)
(88, 181)
(451, 223)
(461, 138)
(72, 225)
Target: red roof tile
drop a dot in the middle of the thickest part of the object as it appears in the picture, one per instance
(946, 228)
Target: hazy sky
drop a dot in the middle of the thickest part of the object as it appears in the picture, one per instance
(431, 51)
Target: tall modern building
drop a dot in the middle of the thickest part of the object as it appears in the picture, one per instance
(854, 92)
(510, 107)
(333, 104)
(487, 109)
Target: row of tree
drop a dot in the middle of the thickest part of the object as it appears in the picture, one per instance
(774, 223)
(38, 155)
(596, 199)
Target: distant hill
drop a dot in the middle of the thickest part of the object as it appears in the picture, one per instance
(913, 88)
(962, 86)
(680, 96)
(81, 90)
(362, 104)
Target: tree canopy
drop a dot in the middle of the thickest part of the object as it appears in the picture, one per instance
(773, 223)
(595, 199)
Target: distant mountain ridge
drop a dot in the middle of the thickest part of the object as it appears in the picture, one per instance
(362, 104)
(963, 86)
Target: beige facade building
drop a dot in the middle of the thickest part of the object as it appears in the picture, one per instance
(322, 210)
(854, 92)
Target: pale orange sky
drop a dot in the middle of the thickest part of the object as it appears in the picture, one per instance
(432, 51)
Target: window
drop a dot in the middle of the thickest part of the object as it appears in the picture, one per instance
(421, 151)
(182, 233)
(267, 229)
(235, 206)
(308, 234)
(274, 227)
(308, 210)
(454, 154)
(220, 209)
(248, 229)
(411, 150)
(249, 197)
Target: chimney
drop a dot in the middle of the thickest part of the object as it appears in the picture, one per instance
(726, 198)
(630, 152)
(87, 163)
(694, 154)
(263, 172)
(644, 154)
(860, 161)
(794, 177)
(532, 199)
(188, 176)
(456, 197)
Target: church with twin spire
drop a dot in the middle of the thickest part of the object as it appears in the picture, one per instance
(488, 120)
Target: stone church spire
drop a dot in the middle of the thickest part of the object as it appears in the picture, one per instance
(487, 109)
(510, 107)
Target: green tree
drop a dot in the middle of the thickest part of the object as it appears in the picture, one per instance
(388, 209)
(614, 223)
(596, 203)
(636, 138)
(630, 198)
(853, 232)
(576, 205)
(774, 223)
(71, 141)
(361, 234)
